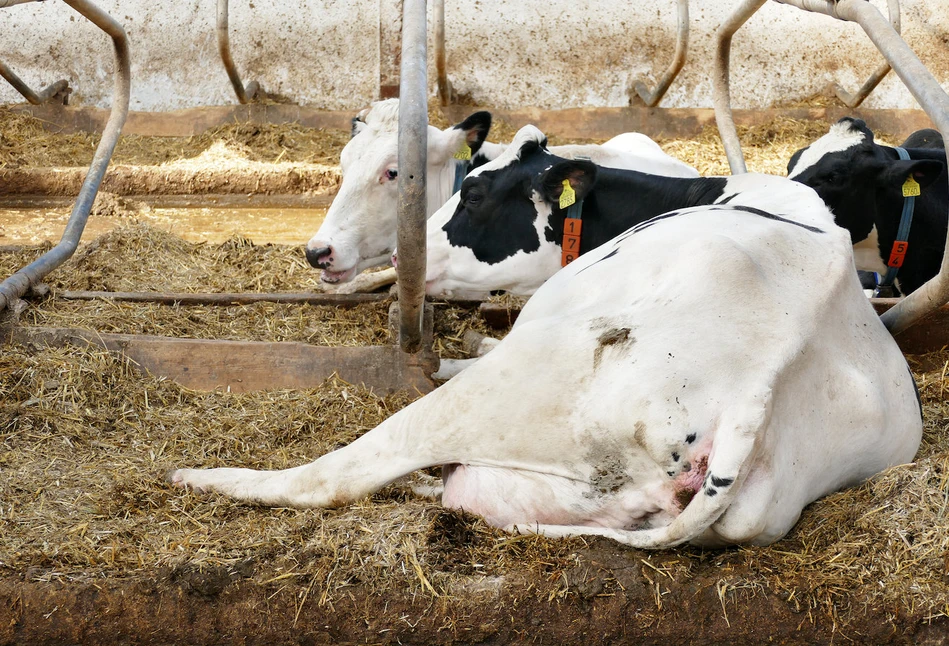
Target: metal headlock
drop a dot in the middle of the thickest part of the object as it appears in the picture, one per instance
(245, 93)
(920, 82)
(652, 97)
(32, 275)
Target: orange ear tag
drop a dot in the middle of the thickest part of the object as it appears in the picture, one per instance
(569, 196)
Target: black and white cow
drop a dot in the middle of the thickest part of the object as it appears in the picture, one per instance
(632, 400)
(504, 231)
(359, 231)
(861, 181)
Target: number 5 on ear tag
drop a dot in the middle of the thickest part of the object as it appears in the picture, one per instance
(569, 196)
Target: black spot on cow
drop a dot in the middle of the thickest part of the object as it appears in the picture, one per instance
(721, 482)
(675, 456)
(690, 438)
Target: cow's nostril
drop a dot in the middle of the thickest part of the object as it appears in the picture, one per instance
(319, 258)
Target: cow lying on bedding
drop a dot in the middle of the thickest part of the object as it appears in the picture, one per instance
(359, 231)
(505, 229)
(863, 184)
(699, 378)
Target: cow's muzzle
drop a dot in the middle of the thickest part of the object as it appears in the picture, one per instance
(320, 258)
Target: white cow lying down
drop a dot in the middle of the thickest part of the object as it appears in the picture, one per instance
(636, 401)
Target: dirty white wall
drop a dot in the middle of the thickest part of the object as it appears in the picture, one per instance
(546, 53)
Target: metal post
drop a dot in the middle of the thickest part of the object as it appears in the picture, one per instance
(244, 94)
(855, 99)
(413, 144)
(36, 98)
(441, 64)
(720, 92)
(652, 97)
(17, 285)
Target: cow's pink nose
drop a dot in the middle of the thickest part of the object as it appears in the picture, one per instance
(395, 260)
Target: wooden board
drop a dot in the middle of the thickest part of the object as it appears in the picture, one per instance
(243, 366)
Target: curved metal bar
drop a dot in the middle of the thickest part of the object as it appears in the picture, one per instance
(441, 64)
(721, 98)
(413, 152)
(855, 99)
(652, 97)
(59, 89)
(19, 283)
(245, 94)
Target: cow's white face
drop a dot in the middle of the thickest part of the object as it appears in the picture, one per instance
(359, 231)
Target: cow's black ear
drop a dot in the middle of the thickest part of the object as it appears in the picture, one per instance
(357, 124)
(579, 172)
(476, 128)
(924, 171)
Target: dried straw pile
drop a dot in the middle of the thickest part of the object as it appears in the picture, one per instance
(24, 141)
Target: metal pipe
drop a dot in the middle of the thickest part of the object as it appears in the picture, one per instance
(413, 144)
(721, 98)
(245, 94)
(17, 285)
(36, 98)
(930, 95)
(441, 64)
(652, 97)
(855, 99)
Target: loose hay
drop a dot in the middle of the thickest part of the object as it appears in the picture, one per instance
(85, 439)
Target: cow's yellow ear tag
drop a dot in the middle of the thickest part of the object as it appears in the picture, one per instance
(569, 196)
(464, 153)
(910, 187)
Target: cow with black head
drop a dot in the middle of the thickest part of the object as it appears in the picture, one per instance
(863, 184)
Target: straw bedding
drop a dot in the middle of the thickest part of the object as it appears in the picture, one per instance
(85, 439)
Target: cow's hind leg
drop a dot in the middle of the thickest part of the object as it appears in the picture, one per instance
(374, 460)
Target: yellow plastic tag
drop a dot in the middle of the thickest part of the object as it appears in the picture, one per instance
(569, 196)
(910, 187)
(464, 153)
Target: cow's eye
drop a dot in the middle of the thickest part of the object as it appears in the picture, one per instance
(391, 174)
(473, 198)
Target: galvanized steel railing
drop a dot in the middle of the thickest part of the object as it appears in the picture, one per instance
(652, 97)
(920, 82)
(245, 93)
(19, 283)
(413, 151)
